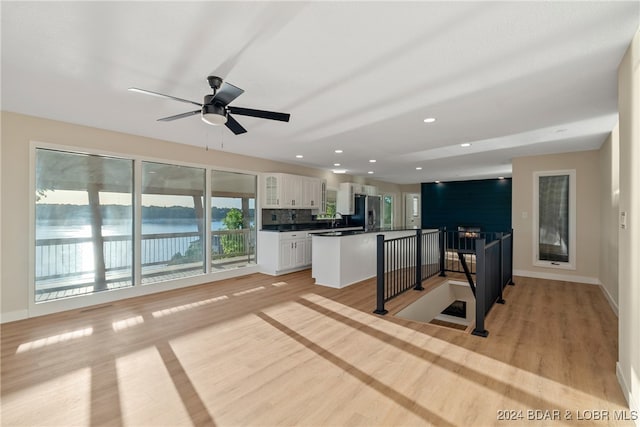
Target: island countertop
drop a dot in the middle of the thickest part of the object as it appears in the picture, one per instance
(341, 233)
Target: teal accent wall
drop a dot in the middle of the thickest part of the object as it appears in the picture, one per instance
(484, 203)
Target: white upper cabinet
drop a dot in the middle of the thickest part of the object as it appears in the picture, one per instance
(370, 190)
(346, 194)
(323, 197)
(345, 198)
(292, 191)
(314, 194)
(271, 190)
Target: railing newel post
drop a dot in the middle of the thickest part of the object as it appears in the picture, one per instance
(500, 236)
(380, 297)
(442, 243)
(481, 290)
(418, 285)
(511, 282)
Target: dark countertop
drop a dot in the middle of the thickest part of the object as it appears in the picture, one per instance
(338, 233)
(304, 227)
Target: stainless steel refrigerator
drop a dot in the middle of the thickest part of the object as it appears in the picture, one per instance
(367, 211)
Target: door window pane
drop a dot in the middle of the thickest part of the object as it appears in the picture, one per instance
(387, 211)
(84, 224)
(233, 225)
(172, 221)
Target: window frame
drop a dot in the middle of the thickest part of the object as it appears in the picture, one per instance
(392, 196)
(571, 263)
(62, 304)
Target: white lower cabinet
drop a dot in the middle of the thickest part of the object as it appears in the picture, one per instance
(284, 252)
(292, 253)
(280, 253)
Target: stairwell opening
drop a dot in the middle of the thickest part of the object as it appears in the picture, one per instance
(451, 304)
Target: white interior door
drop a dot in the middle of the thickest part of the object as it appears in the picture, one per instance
(412, 217)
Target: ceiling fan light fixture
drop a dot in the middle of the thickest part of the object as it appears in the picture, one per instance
(214, 115)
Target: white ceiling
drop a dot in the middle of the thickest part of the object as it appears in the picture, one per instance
(511, 78)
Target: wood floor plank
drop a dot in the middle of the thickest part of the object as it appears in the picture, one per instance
(280, 351)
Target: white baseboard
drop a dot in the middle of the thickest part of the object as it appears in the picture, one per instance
(633, 405)
(12, 316)
(607, 295)
(556, 276)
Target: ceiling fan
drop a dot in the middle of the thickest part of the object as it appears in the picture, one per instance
(215, 110)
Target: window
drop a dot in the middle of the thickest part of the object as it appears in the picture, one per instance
(172, 221)
(554, 219)
(387, 211)
(83, 224)
(331, 195)
(104, 223)
(233, 220)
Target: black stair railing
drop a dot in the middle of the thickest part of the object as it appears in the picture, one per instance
(404, 263)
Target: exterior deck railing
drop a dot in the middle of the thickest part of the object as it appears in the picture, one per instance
(68, 262)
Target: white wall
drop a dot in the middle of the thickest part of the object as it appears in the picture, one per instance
(609, 200)
(629, 238)
(16, 194)
(586, 164)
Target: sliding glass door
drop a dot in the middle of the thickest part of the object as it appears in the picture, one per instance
(233, 220)
(172, 221)
(83, 224)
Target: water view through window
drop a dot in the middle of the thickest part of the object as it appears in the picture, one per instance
(233, 230)
(85, 216)
(172, 221)
(84, 224)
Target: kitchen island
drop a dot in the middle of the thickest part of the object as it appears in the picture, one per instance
(287, 248)
(342, 258)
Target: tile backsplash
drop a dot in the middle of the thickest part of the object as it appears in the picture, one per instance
(286, 216)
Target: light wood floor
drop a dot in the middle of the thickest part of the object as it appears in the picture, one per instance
(269, 351)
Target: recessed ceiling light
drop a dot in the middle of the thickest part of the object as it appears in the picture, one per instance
(466, 144)
(370, 172)
(336, 164)
(372, 161)
(429, 120)
(299, 156)
(501, 177)
(437, 182)
(339, 171)
(419, 168)
(338, 151)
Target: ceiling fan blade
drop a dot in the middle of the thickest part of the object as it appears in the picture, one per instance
(227, 93)
(234, 126)
(162, 95)
(179, 116)
(271, 115)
